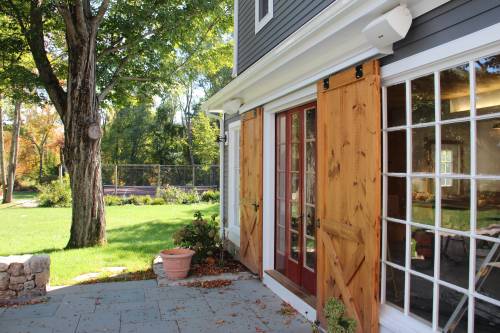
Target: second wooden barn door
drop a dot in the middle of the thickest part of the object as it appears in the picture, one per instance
(349, 148)
(251, 191)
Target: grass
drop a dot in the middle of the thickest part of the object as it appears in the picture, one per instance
(457, 219)
(135, 235)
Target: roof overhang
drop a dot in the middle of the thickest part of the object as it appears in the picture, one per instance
(329, 42)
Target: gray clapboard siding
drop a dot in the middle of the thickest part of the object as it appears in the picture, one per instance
(450, 21)
(228, 120)
(288, 17)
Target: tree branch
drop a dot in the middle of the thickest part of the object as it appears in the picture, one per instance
(100, 13)
(68, 21)
(114, 80)
(36, 42)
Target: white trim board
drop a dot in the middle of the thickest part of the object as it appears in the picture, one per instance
(233, 230)
(260, 23)
(296, 302)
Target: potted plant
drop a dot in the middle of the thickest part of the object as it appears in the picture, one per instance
(176, 262)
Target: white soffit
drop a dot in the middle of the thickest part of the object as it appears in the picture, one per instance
(329, 42)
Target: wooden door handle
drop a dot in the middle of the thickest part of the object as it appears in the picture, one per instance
(256, 206)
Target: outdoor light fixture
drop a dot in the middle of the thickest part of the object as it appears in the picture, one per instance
(221, 138)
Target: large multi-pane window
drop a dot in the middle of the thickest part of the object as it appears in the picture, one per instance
(441, 212)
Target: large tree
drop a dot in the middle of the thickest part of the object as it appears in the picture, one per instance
(107, 45)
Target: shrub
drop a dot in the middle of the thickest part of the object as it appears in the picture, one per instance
(200, 235)
(55, 194)
(113, 200)
(171, 194)
(335, 316)
(210, 196)
(140, 200)
(191, 197)
(158, 201)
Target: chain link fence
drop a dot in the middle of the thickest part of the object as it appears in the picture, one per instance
(143, 179)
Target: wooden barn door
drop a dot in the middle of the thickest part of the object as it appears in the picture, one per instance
(251, 191)
(349, 166)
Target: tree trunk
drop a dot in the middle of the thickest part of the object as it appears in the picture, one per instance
(2, 156)
(14, 146)
(82, 151)
(40, 167)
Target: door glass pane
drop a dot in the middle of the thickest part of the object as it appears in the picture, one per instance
(295, 157)
(310, 157)
(455, 92)
(310, 189)
(396, 197)
(488, 85)
(449, 300)
(281, 239)
(488, 206)
(294, 216)
(282, 129)
(282, 158)
(396, 151)
(396, 105)
(455, 259)
(422, 95)
(487, 258)
(311, 124)
(294, 245)
(396, 235)
(282, 210)
(486, 317)
(295, 186)
(421, 297)
(455, 204)
(422, 250)
(423, 200)
(310, 253)
(423, 149)
(394, 286)
(310, 220)
(281, 185)
(455, 148)
(295, 128)
(488, 147)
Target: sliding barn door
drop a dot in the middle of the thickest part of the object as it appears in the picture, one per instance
(349, 148)
(251, 191)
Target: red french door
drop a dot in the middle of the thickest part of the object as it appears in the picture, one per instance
(295, 242)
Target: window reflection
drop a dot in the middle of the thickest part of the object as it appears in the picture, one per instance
(422, 250)
(486, 317)
(454, 266)
(488, 207)
(422, 99)
(455, 92)
(423, 200)
(488, 85)
(449, 300)
(395, 286)
(455, 148)
(396, 197)
(396, 151)
(396, 235)
(455, 205)
(396, 105)
(488, 146)
(421, 297)
(423, 149)
(488, 268)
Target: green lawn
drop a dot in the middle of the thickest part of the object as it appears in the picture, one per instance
(135, 235)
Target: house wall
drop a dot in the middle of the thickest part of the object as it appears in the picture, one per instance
(288, 16)
(450, 21)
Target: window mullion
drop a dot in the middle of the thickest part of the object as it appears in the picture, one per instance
(473, 194)
(408, 198)
(437, 198)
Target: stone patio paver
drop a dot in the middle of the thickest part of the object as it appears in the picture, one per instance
(141, 306)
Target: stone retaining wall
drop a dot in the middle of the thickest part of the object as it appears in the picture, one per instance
(23, 277)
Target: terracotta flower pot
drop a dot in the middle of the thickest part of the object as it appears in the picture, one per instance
(176, 262)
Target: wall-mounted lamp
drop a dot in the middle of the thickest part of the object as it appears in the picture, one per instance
(221, 138)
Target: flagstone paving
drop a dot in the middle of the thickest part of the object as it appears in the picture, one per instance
(142, 307)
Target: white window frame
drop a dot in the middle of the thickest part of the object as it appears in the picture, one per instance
(233, 207)
(467, 49)
(260, 23)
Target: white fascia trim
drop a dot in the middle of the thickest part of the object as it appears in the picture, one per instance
(394, 321)
(475, 45)
(299, 97)
(259, 24)
(235, 38)
(298, 304)
(234, 124)
(233, 230)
